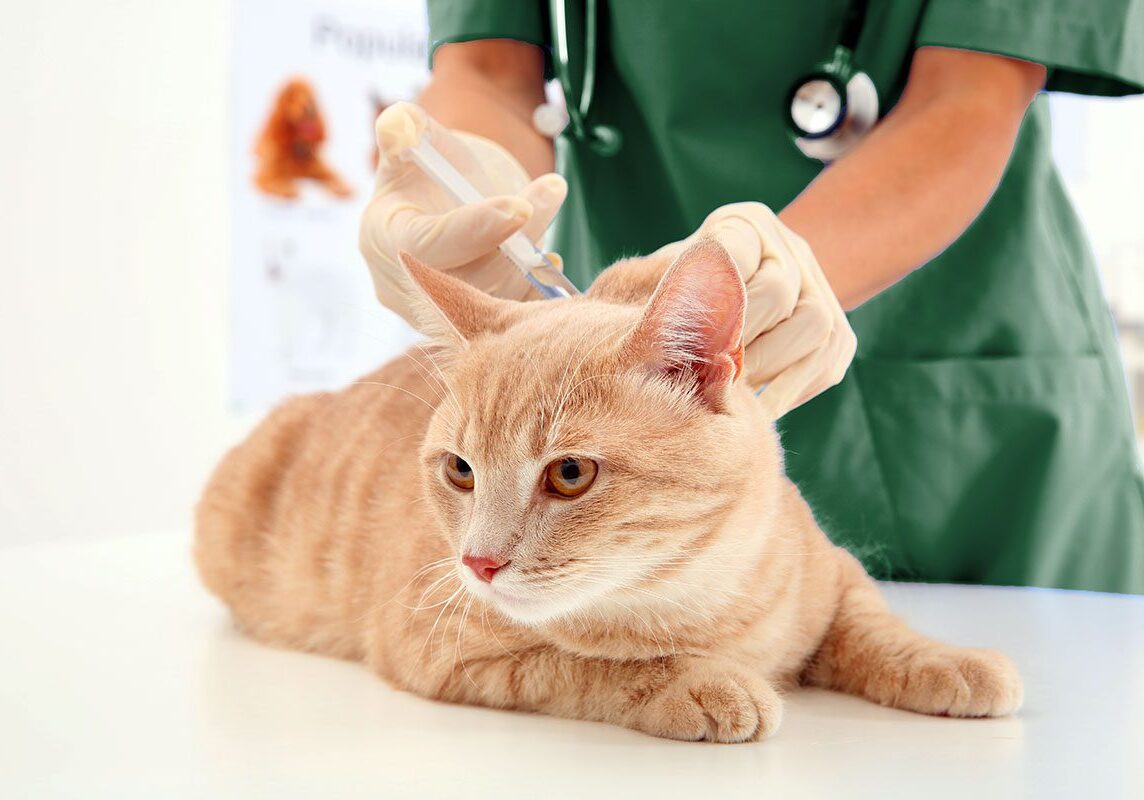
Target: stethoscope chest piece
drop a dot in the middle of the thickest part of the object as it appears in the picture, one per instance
(829, 117)
(817, 107)
(551, 120)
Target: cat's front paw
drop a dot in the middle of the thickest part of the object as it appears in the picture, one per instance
(960, 683)
(714, 701)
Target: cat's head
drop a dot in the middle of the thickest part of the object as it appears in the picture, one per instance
(587, 454)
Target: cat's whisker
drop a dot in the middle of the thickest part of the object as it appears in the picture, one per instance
(560, 391)
(419, 608)
(492, 631)
(394, 442)
(702, 613)
(682, 564)
(401, 389)
(431, 358)
(645, 622)
(440, 376)
(428, 592)
(433, 629)
(667, 559)
(666, 628)
(627, 587)
(461, 642)
(651, 631)
(579, 348)
(596, 377)
(449, 621)
(430, 380)
(688, 558)
(630, 586)
(650, 567)
(430, 567)
(700, 586)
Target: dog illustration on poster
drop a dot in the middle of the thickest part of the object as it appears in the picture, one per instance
(288, 149)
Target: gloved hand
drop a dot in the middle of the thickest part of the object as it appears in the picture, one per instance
(410, 212)
(797, 340)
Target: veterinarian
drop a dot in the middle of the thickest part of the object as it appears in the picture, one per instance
(982, 432)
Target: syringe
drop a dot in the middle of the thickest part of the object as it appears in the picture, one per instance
(525, 256)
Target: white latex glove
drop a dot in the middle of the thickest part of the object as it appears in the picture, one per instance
(797, 340)
(410, 212)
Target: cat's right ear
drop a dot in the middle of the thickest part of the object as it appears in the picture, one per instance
(449, 310)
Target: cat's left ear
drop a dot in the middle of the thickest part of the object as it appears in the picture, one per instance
(449, 310)
(693, 325)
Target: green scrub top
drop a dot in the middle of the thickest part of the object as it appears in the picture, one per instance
(983, 432)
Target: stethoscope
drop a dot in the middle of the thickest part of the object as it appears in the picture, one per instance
(551, 119)
(828, 110)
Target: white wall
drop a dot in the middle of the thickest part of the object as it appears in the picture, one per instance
(1097, 143)
(115, 233)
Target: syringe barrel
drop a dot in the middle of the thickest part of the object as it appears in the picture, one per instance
(525, 256)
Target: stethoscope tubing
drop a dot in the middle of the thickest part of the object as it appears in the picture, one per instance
(852, 124)
(578, 111)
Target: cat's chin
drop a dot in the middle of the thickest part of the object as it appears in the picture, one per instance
(523, 609)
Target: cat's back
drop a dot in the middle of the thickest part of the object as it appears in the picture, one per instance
(291, 519)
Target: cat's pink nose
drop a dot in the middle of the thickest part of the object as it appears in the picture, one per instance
(483, 566)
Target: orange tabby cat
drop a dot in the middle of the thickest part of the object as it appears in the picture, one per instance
(571, 507)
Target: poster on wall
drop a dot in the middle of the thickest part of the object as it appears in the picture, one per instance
(310, 77)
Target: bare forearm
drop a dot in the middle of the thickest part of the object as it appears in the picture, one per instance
(890, 207)
(915, 184)
(490, 88)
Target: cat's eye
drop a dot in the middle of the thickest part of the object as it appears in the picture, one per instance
(570, 476)
(458, 471)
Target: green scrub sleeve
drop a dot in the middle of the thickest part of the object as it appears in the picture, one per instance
(469, 20)
(1089, 46)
